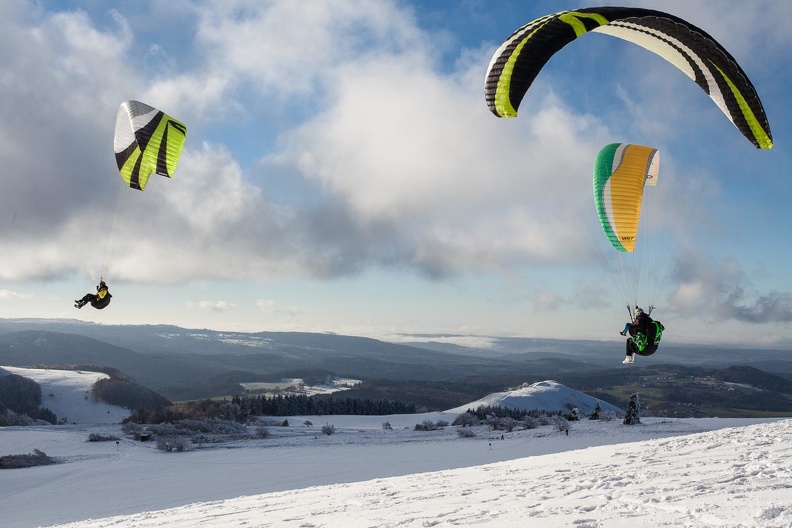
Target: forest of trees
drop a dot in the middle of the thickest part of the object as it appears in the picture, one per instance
(242, 408)
(299, 404)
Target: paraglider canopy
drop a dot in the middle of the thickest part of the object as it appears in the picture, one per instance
(521, 57)
(146, 140)
(621, 171)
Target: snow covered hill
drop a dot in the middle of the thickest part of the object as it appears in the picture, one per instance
(544, 396)
(67, 393)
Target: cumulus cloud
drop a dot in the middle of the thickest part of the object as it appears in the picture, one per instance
(721, 291)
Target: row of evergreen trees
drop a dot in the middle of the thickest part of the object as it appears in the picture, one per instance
(300, 404)
(241, 408)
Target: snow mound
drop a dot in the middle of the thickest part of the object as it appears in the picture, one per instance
(68, 394)
(544, 396)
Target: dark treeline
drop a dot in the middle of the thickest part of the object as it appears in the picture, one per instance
(21, 396)
(483, 412)
(241, 408)
(300, 404)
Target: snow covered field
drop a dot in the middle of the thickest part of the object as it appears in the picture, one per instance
(687, 472)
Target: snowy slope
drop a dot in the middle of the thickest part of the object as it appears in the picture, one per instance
(544, 395)
(685, 472)
(67, 393)
(737, 477)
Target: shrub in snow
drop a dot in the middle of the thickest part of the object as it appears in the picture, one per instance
(465, 419)
(328, 429)
(262, 432)
(96, 437)
(387, 426)
(501, 424)
(561, 423)
(37, 458)
(466, 433)
(200, 438)
(529, 422)
(171, 443)
(441, 423)
(426, 425)
(9, 418)
(131, 429)
(308, 423)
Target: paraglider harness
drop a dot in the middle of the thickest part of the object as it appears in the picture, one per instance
(102, 296)
(641, 340)
(99, 300)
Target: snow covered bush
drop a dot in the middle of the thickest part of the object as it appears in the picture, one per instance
(171, 443)
(561, 423)
(466, 433)
(96, 437)
(262, 432)
(426, 425)
(501, 424)
(529, 422)
(465, 419)
(37, 458)
(328, 429)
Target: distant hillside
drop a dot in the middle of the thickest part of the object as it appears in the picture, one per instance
(676, 390)
(193, 364)
(86, 395)
(188, 364)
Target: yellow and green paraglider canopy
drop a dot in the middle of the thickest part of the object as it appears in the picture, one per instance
(146, 140)
(621, 171)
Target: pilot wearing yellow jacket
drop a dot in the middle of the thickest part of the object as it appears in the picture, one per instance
(98, 300)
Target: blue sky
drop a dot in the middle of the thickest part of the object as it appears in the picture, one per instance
(342, 172)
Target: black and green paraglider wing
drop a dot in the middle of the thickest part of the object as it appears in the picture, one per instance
(518, 61)
(146, 141)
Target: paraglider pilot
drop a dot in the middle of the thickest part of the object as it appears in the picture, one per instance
(639, 324)
(644, 333)
(98, 300)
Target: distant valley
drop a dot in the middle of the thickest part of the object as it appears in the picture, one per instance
(184, 364)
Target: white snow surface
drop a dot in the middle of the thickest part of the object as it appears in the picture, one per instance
(663, 472)
(543, 395)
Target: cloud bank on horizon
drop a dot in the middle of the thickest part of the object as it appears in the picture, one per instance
(353, 136)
